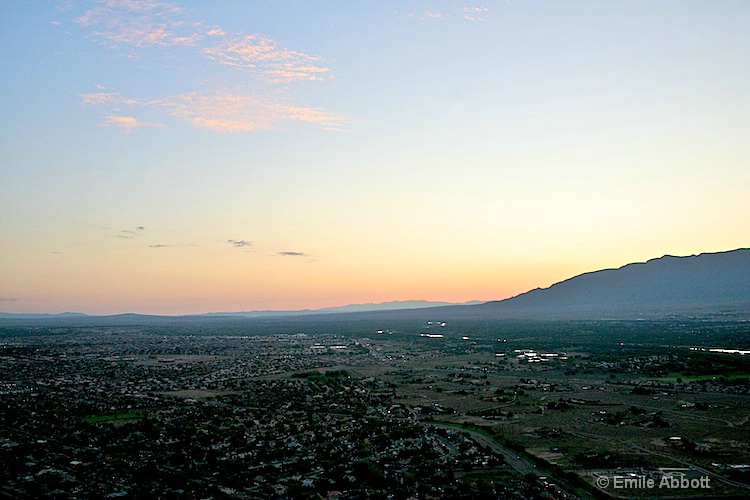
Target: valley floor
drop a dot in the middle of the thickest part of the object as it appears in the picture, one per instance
(131, 411)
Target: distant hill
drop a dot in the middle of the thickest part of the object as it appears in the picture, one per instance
(370, 307)
(40, 316)
(140, 318)
(706, 283)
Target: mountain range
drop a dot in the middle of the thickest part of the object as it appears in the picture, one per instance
(709, 284)
(395, 305)
(706, 284)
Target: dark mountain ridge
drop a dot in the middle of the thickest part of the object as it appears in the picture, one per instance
(708, 285)
(705, 282)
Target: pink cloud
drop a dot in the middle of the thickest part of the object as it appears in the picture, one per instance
(138, 22)
(217, 111)
(127, 123)
(262, 54)
(142, 23)
(142, 6)
(245, 113)
(113, 98)
(216, 32)
(98, 98)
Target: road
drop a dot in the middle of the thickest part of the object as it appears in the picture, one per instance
(521, 465)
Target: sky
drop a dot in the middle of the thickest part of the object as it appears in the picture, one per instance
(183, 157)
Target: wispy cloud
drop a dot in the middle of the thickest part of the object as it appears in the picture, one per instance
(428, 16)
(229, 112)
(293, 254)
(142, 23)
(99, 98)
(130, 233)
(240, 243)
(263, 55)
(163, 245)
(215, 32)
(138, 23)
(8, 299)
(472, 14)
(219, 112)
(127, 123)
(134, 24)
(475, 14)
(115, 101)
